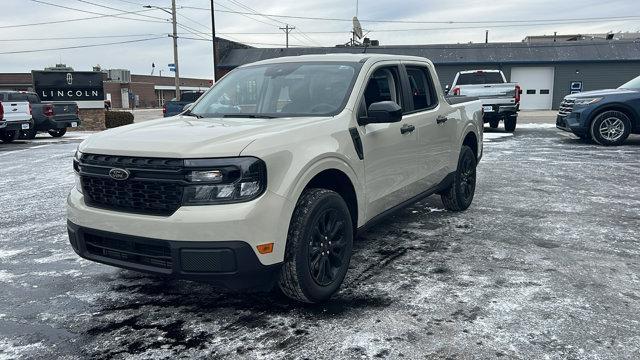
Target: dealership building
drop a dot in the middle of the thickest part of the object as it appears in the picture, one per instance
(546, 69)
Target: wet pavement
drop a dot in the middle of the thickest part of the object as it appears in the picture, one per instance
(545, 264)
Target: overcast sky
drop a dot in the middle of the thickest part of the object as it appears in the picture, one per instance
(195, 55)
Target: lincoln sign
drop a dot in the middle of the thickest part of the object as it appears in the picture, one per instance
(65, 86)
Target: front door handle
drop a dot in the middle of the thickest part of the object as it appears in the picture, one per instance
(406, 128)
(441, 119)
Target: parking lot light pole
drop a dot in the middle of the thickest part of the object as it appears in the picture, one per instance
(175, 42)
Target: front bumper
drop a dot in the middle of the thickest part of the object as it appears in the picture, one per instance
(260, 221)
(229, 264)
(573, 122)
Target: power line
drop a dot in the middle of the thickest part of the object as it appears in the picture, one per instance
(112, 8)
(249, 43)
(93, 12)
(77, 37)
(80, 46)
(629, 17)
(73, 20)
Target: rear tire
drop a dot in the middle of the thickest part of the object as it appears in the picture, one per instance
(459, 195)
(28, 134)
(8, 136)
(610, 128)
(319, 245)
(57, 132)
(494, 123)
(510, 123)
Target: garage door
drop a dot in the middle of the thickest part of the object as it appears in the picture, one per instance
(537, 86)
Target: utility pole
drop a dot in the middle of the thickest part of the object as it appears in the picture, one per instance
(486, 37)
(175, 48)
(287, 29)
(215, 47)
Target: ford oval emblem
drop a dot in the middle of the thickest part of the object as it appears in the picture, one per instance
(119, 174)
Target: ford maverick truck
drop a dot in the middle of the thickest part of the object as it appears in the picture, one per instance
(268, 177)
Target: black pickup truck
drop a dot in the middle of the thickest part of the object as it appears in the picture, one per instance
(51, 117)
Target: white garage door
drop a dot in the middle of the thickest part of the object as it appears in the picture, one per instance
(537, 86)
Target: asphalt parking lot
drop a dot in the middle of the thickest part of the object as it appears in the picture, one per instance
(545, 264)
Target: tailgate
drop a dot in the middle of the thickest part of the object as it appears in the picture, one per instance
(16, 110)
(484, 91)
(65, 111)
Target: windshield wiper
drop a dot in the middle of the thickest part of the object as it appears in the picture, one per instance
(189, 113)
(252, 116)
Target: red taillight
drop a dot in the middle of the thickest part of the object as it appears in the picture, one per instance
(48, 110)
(517, 95)
(1, 111)
(456, 91)
(164, 109)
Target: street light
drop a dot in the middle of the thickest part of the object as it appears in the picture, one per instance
(175, 42)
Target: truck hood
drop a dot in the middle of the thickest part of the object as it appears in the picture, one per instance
(186, 137)
(604, 92)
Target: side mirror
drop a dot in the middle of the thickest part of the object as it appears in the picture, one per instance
(187, 107)
(447, 88)
(382, 112)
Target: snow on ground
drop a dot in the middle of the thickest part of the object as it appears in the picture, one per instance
(544, 264)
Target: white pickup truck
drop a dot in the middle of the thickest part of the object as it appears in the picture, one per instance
(500, 99)
(266, 179)
(15, 116)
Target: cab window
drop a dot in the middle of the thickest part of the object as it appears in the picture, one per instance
(422, 89)
(383, 85)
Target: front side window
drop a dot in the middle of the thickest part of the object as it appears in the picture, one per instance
(383, 85)
(422, 89)
(280, 90)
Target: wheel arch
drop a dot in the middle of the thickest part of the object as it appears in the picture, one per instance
(623, 108)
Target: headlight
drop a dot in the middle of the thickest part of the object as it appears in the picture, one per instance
(228, 180)
(586, 101)
(76, 168)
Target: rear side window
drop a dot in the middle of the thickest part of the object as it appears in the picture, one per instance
(479, 78)
(422, 89)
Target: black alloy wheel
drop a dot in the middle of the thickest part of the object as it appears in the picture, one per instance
(326, 247)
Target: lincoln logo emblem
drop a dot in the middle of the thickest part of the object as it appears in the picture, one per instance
(69, 79)
(119, 174)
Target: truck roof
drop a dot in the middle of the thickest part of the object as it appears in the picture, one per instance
(342, 57)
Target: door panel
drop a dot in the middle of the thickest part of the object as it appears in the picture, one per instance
(388, 154)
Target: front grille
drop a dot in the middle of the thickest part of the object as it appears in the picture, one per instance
(154, 185)
(136, 196)
(566, 107)
(157, 254)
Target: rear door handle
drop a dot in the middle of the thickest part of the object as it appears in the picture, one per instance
(406, 128)
(441, 119)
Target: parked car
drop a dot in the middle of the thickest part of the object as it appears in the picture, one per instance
(268, 177)
(500, 99)
(53, 118)
(14, 117)
(174, 107)
(605, 116)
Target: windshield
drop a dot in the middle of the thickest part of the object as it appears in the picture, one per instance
(633, 84)
(280, 90)
(480, 78)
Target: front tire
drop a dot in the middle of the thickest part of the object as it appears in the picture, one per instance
(8, 136)
(319, 245)
(610, 128)
(459, 195)
(56, 133)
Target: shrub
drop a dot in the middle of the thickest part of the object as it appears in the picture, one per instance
(117, 118)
